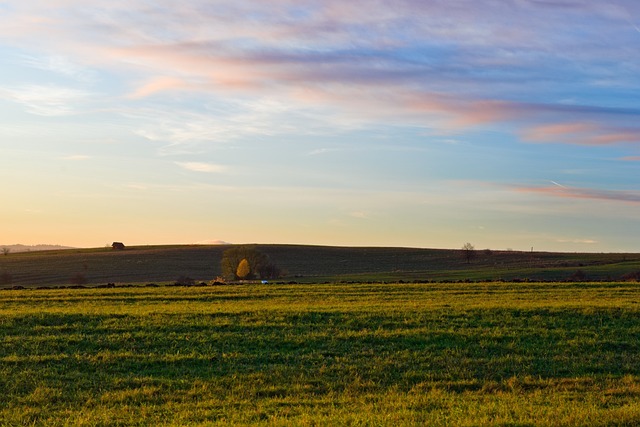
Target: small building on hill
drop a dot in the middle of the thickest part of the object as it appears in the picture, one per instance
(118, 246)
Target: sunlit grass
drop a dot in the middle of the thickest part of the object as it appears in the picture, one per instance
(359, 354)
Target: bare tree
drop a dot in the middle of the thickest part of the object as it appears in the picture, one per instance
(5, 251)
(468, 252)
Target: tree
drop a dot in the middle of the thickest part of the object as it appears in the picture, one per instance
(6, 250)
(270, 271)
(468, 252)
(243, 269)
(259, 264)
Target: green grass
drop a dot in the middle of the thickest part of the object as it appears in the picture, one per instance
(459, 354)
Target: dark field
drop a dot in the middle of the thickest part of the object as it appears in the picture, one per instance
(309, 264)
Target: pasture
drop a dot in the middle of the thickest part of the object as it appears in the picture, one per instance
(455, 354)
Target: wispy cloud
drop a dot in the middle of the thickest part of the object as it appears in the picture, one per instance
(406, 62)
(76, 157)
(584, 193)
(409, 93)
(578, 241)
(58, 64)
(223, 123)
(137, 186)
(359, 214)
(159, 84)
(202, 167)
(320, 151)
(47, 100)
(592, 133)
(212, 242)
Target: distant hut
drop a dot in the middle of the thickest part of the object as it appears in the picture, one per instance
(117, 246)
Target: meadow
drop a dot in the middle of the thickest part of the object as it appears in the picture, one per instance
(440, 354)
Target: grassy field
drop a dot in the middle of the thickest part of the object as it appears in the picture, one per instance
(307, 264)
(456, 354)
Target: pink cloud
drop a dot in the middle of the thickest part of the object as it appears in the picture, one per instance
(584, 193)
(329, 54)
(592, 133)
(620, 136)
(553, 132)
(159, 84)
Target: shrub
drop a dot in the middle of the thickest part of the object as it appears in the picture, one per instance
(634, 275)
(270, 271)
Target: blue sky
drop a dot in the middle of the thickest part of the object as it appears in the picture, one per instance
(507, 124)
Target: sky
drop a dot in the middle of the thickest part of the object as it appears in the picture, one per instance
(511, 124)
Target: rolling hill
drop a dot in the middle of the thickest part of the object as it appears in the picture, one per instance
(308, 264)
(32, 248)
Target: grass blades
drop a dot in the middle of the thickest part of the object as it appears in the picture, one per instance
(460, 354)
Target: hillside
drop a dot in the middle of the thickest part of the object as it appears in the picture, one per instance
(31, 248)
(307, 264)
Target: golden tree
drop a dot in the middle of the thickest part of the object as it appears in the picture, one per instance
(243, 269)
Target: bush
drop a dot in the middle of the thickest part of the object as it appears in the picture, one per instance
(635, 275)
(270, 271)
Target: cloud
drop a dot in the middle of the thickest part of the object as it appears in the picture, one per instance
(48, 100)
(592, 133)
(578, 241)
(631, 158)
(138, 187)
(58, 64)
(553, 132)
(212, 242)
(359, 215)
(222, 124)
(76, 157)
(202, 167)
(320, 151)
(584, 193)
(403, 62)
(159, 84)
